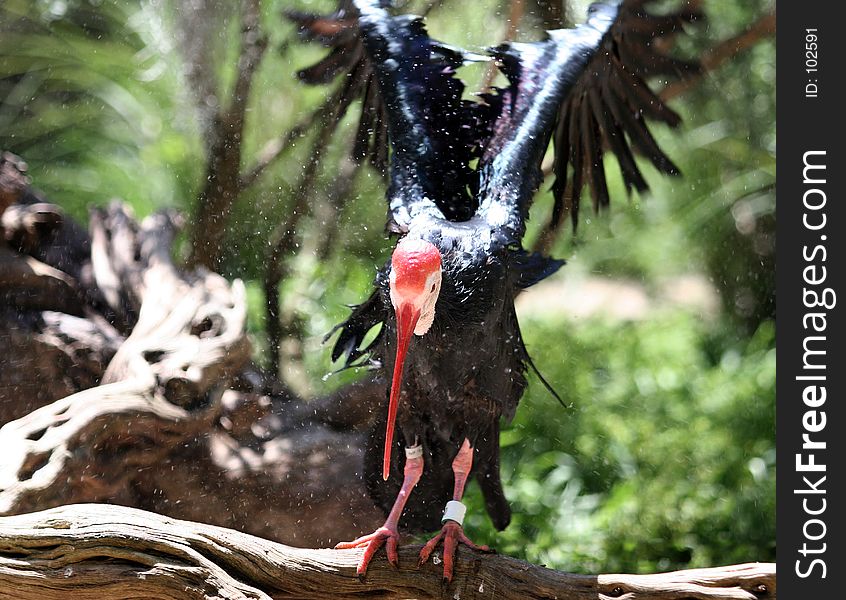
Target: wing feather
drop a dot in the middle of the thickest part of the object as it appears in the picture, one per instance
(348, 63)
(585, 88)
(589, 85)
(615, 87)
(363, 318)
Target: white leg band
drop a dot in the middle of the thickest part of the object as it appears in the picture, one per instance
(454, 511)
(412, 452)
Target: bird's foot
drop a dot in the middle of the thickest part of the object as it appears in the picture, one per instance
(451, 534)
(386, 535)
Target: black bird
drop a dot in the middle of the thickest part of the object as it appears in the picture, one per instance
(450, 335)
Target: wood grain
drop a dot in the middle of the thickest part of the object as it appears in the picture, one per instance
(104, 552)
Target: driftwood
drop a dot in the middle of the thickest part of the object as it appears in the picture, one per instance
(128, 380)
(107, 552)
(123, 442)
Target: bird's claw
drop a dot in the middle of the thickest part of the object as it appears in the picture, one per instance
(384, 536)
(451, 534)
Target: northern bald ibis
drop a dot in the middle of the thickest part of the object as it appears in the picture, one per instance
(462, 176)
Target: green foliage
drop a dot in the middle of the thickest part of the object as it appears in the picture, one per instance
(90, 95)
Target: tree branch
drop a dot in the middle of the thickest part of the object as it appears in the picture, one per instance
(223, 172)
(112, 552)
(722, 53)
(283, 240)
(276, 148)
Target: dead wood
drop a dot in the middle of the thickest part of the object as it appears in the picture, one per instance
(234, 461)
(49, 355)
(31, 225)
(54, 343)
(29, 283)
(131, 382)
(165, 430)
(188, 338)
(25, 225)
(107, 552)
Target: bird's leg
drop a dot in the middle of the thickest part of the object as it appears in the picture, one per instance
(387, 534)
(452, 533)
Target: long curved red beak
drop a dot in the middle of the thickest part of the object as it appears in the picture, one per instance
(407, 317)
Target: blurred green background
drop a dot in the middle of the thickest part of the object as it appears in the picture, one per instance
(659, 333)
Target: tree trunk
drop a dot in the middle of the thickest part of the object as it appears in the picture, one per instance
(104, 552)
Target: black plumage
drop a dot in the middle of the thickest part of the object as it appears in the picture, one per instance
(462, 178)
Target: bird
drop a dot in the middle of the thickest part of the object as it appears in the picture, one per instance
(461, 175)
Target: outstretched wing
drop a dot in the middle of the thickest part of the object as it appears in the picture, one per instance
(410, 99)
(609, 107)
(586, 87)
(347, 61)
(541, 75)
(432, 146)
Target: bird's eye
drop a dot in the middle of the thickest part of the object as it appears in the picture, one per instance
(433, 288)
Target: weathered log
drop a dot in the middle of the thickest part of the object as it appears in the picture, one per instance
(183, 424)
(26, 225)
(36, 370)
(126, 443)
(165, 431)
(53, 343)
(191, 327)
(32, 225)
(55, 339)
(103, 552)
(48, 355)
(87, 445)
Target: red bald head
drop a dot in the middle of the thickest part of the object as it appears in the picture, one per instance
(413, 262)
